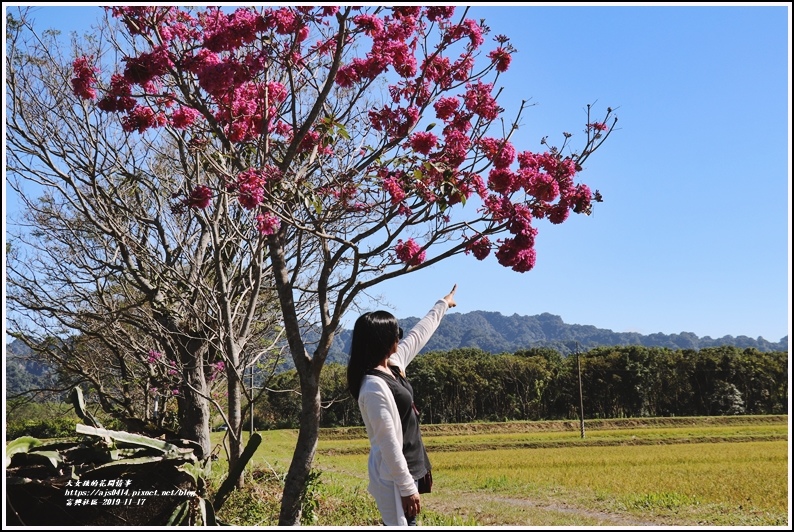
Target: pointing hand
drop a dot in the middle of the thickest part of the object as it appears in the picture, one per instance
(450, 298)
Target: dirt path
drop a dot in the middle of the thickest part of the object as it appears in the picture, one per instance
(496, 510)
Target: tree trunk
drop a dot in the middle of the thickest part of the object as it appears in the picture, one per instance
(303, 457)
(235, 418)
(194, 412)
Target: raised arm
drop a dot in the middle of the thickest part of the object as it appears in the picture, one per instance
(420, 334)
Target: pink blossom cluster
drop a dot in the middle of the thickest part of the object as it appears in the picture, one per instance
(409, 252)
(500, 152)
(153, 356)
(85, 78)
(166, 22)
(464, 186)
(440, 13)
(514, 254)
(184, 117)
(230, 57)
(456, 147)
(501, 57)
(312, 140)
(147, 66)
(390, 36)
(223, 33)
(480, 247)
(141, 118)
(119, 97)
(251, 187)
(156, 358)
(267, 223)
(423, 142)
(216, 370)
(396, 123)
(199, 198)
(394, 188)
(478, 99)
(467, 29)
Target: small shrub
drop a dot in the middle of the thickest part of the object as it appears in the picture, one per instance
(257, 503)
(60, 427)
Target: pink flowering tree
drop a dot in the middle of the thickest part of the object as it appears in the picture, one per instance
(153, 284)
(361, 140)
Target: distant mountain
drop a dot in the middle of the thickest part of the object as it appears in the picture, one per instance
(491, 332)
(495, 333)
(21, 373)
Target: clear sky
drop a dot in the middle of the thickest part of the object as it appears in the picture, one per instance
(694, 234)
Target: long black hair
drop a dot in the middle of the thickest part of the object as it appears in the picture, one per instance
(374, 335)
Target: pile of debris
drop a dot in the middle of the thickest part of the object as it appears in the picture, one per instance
(105, 478)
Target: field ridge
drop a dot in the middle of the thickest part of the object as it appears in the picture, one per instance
(451, 429)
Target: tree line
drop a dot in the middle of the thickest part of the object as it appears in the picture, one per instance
(466, 385)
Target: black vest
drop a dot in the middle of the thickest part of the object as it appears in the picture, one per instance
(413, 447)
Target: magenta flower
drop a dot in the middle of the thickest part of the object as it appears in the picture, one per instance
(437, 13)
(502, 180)
(200, 197)
(520, 224)
(500, 152)
(480, 247)
(581, 199)
(147, 66)
(542, 186)
(154, 356)
(517, 255)
(250, 184)
(409, 252)
(224, 32)
(478, 99)
(267, 223)
(217, 369)
(184, 117)
(85, 78)
(423, 142)
(142, 118)
(457, 146)
(501, 58)
(438, 69)
(118, 97)
(558, 213)
(395, 190)
(470, 29)
(372, 25)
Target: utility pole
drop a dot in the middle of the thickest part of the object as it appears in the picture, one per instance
(581, 397)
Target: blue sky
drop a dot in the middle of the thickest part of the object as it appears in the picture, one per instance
(694, 232)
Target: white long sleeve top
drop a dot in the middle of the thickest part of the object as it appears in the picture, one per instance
(389, 478)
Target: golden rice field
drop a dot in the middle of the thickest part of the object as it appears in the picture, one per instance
(681, 471)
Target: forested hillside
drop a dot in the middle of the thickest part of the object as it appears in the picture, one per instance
(22, 372)
(490, 332)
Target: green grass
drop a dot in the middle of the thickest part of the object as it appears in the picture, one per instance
(728, 471)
